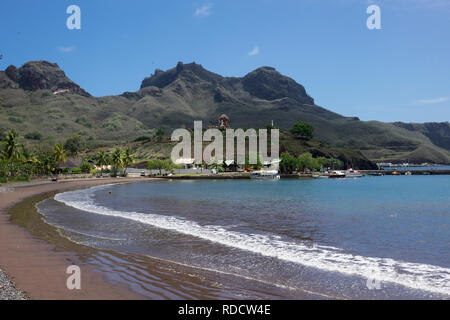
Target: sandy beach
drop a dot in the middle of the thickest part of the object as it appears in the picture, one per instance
(35, 267)
(34, 257)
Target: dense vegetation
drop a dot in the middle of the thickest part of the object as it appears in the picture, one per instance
(306, 162)
(18, 163)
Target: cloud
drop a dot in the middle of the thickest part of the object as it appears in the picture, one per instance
(203, 11)
(433, 101)
(66, 49)
(254, 52)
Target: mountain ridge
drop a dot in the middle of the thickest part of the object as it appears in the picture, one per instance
(41, 75)
(174, 98)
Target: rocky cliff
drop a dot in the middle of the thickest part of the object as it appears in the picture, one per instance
(40, 75)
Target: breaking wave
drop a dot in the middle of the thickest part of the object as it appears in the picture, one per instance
(413, 275)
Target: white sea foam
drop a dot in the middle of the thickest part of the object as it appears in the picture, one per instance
(413, 275)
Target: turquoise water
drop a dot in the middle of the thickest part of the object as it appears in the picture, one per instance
(324, 235)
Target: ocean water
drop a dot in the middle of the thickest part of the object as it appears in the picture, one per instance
(370, 238)
(417, 168)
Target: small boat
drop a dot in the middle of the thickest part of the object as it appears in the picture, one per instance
(337, 174)
(408, 173)
(375, 174)
(265, 175)
(396, 173)
(353, 174)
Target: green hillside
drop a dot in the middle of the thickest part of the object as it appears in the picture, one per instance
(45, 106)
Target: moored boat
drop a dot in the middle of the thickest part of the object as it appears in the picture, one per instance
(337, 174)
(265, 175)
(353, 174)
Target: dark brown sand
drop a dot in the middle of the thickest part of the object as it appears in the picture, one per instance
(35, 266)
(36, 257)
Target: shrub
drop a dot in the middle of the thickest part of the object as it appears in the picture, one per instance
(22, 178)
(15, 119)
(142, 139)
(33, 136)
(85, 167)
(76, 171)
(84, 122)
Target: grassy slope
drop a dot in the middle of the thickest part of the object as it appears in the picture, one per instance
(116, 119)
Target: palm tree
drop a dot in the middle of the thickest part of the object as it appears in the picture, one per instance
(127, 159)
(101, 160)
(59, 154)
(11, 151)
(29, 159)
(216, 165)
(117, 160)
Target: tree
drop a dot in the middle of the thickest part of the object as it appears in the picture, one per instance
(74, 144)
(333, 163)
(101, 160)
(128, 159)
(288, 163)
(31, 162)
(46, 160)
(155, 164)
(306, 161)
(303, 130)
(168, 165)
(60, 154)
(117, 161)
(11, 151)
(216, 165)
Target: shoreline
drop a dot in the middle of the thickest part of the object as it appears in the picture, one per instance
(32, 264)
(35, 256)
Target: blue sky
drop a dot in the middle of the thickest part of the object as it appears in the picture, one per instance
(398, 73)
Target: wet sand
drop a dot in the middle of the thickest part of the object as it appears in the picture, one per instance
(36, 256)
(39, 268)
